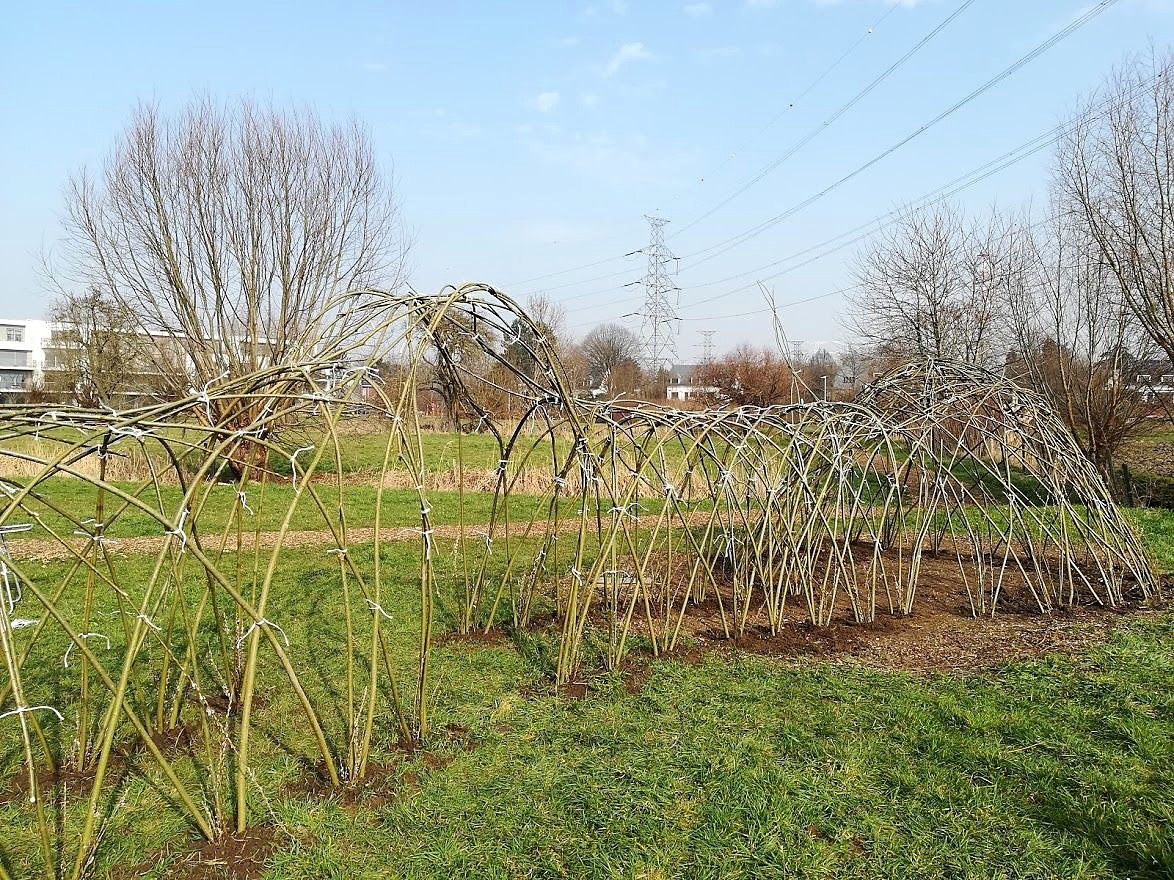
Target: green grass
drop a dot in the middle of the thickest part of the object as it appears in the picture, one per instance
(1057, 767)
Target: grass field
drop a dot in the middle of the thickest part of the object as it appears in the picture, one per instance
(750, 767)
(707, 765)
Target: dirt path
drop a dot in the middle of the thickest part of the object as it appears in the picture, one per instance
(46, 550)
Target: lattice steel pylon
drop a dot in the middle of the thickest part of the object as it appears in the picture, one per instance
(661, 298)
(707, 345)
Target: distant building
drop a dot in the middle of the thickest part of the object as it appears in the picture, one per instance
(682, 383)
(37, 354)
(22, 353)
(1153, 379)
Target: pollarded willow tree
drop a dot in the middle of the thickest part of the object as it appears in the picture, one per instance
(228, 231)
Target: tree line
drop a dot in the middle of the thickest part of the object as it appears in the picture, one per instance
(233, 236)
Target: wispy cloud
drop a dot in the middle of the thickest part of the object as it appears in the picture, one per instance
(719, 53)
(375, 66)
(697, 10)
(760, 4)
(616, 160)
(615, 7)
(627, 53)
(566, 42)
(589, 99)
(545, 102)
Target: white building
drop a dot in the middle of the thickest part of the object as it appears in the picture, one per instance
(22, 353)
(681, 383)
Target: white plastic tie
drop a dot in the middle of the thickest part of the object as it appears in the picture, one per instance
(93, 635)
(21, 710)
(264, 621)
(150, 623)
(12, 591)
(426, 534)
(293, 463)
(129, 431)
(203, 396)
(243, 501)
(378, 609)
(178, 531)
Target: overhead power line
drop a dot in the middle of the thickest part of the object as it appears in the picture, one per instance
(771, 123)
(823, 126)
(754, 231)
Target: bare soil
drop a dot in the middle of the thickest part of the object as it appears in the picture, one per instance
(233, 856)
(940, 635)
(58, 783)
(385, 781)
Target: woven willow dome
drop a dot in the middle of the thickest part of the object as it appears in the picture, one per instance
(177, 518)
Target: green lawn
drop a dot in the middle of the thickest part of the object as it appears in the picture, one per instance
(1058, 767)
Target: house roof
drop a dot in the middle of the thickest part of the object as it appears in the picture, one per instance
(682, 374)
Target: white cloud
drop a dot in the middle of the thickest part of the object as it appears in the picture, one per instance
(615, 7)
(616, 161)
(719, 53)
(697, 10)
(760, 4)
(375, 67)
(627, 52)
(545, 102)
(589, 99)
(566, 42)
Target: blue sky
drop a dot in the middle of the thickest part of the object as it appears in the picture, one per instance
(529, 138)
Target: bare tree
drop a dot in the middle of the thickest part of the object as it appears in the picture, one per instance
(1116, 171)
(750, 376)
(523, 342)
(96, 353)
(233, 230)
(855, 366)
(930, 286)
(453, 349)
(819, 371)
(612, 350)
(548, 316)
(1074, 338)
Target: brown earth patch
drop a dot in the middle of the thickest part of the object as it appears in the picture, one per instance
(383, 781)
(223, 704)
(171, 742)
(381, 784)
(57, 782)
(235, 856)
(572, 690)
(941, 634)
(494, 638)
